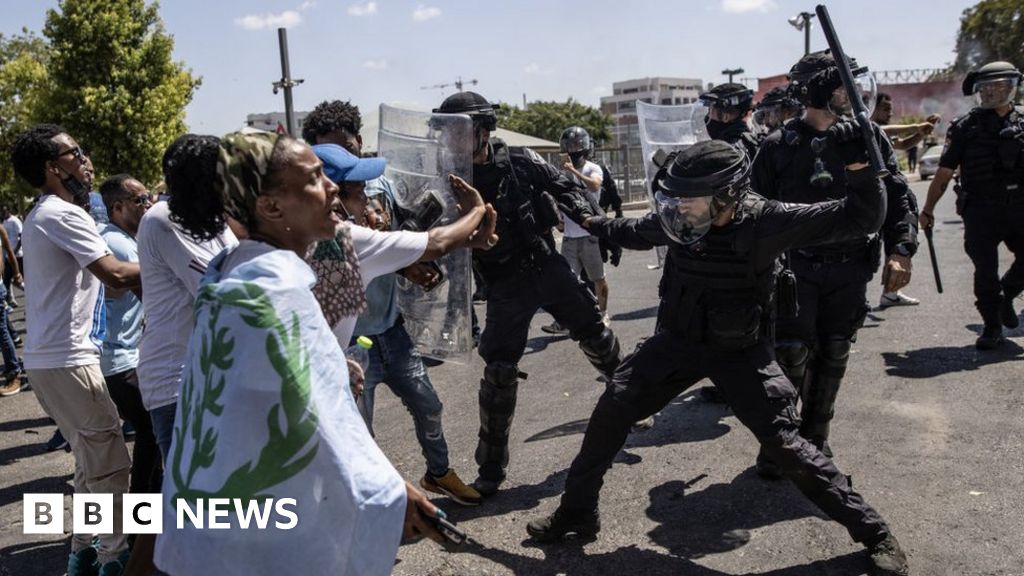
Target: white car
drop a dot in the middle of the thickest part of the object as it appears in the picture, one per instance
(928, 164)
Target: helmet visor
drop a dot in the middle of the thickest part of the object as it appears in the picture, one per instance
(864, 84)
(995, 92)
(767, 118)
(685, 220)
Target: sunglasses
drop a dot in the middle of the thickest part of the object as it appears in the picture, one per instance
(77, 152)
(143, 200)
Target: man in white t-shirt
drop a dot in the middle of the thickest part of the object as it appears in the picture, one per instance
(13, 226)
(68, 263)
(173, 263)
(580, 249)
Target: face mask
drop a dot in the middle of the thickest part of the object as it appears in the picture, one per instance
(79, 191)
(716, 128)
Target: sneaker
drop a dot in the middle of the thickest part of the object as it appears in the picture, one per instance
(990, 339)
(83, 563)
(888, 559)
(12, 386)
(896, 299)
(558, 525)
(1008, 314)
(115, 567)
(554, 328)
(486, 487)
(57, 442)
(451, 486)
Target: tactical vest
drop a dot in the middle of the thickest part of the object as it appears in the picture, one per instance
(523, 231)
(992, 167)
(711, 292)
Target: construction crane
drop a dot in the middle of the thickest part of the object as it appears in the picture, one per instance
(458, 85)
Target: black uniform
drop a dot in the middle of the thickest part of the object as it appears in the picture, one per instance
(737, 133)
(715, 321)
(524, 273)
(831, 279)
(989, 150)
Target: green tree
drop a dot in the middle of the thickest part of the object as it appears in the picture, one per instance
(990, 30)
(23, 84)
(115, 86)
(548, 119)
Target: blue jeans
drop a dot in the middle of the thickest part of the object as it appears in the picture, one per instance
(163, 427)
(395, 362)
(12, 364)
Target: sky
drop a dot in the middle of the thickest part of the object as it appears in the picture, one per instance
(386, 51)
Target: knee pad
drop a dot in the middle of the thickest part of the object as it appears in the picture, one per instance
(603, 351)
(501, 374)
(792, 356)
(833, 354)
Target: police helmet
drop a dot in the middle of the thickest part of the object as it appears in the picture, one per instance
(991, 71)
(730, 97)
(473, 104)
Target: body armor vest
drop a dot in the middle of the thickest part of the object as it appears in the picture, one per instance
(993, 162)
(711, 292)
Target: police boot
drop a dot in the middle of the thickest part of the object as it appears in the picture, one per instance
(497, 406)
(991, 337)
(820, 391)
(1007, 313)
(888, 559)
(603, 351)
(585, 525)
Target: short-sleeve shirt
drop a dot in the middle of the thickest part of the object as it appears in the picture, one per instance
(124, 314)
(590, 170)
(172, 265)
(13, 227)
(64, 305)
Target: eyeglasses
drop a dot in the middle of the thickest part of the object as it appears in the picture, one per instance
(77, 152)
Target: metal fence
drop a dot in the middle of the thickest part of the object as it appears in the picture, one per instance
(625, 164)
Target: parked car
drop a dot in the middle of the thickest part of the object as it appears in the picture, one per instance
(928, 164)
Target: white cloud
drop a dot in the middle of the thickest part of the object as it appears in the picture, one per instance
(307, 5)
(376, 64)
(286, 19)
(423, 13)
(367, 9)
(537, 69)
(743, 6)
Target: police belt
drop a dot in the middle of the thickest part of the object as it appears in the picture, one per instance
(526, 260)
(1006, 194)
(830, 257)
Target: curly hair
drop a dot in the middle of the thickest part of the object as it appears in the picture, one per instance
(328, 117)
(190, 171)
(31, 151)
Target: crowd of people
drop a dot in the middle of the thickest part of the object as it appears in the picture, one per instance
(215, 318)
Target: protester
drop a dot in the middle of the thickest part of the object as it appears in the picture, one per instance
(13, 226)
(12, 381)
(68, 260)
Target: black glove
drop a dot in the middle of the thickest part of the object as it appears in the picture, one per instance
(852, 151)
(845, 131)
(575, 207)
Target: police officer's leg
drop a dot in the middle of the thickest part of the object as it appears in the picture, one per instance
(1013, 280)
(574, 307)
(981, 242)
(511, 303)
(763, 400)
(661, 368)
(841, 312)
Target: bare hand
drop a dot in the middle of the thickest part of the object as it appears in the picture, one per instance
(926, 220)
(356, 378)
(417, 510)
(484, 237)
(926, 128)
(933, 119)
(897, 272)
(568, 166)
(466, 196)
(421, 274)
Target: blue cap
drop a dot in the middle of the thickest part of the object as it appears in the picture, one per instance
(340, 165)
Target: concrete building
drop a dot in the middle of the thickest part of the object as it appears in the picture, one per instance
(621, 105)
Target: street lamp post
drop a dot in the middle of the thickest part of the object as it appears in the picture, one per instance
(802, 21)
(730, 72)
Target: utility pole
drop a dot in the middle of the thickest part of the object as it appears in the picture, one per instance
(802, 21)
(730, 72)
(286, 82)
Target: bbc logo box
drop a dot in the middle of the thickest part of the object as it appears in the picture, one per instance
(93, 514)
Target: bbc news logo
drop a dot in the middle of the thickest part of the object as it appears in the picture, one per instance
(143, 514)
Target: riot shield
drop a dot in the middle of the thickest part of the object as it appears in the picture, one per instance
(668, 128)
(422, 149)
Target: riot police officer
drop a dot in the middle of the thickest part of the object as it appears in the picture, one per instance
(523, 273)
(715, 319)
(775, 109)
(801, 163)
(987, 144)
(727, 106)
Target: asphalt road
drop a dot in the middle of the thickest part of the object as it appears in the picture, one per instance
(930, 429)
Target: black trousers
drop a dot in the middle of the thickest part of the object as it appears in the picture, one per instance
(760, 396)
(986, 225)
(832, 298)
(147, 468)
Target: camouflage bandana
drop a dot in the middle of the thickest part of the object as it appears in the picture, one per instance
(241, 169)
(339, 284)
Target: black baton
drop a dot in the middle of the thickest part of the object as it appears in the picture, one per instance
(935, 259)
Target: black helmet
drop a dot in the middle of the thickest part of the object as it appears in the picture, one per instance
(778, 96)
(815, 76)
(990, 71)
(473, 104)
(694, 186)
(731, 97)
(574, 140)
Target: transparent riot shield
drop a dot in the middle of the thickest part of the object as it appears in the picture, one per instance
(422, 149)
(668, 128)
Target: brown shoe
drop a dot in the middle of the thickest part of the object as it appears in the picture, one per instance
(453, 487)
(12, 386)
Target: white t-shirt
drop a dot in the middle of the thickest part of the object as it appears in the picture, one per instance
(380, 253)
(172, 264)
(572, 229)
(13, 228)
(64, 301)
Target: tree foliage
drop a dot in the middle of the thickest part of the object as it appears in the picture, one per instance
(548, 119)
(24, 81)
(990, 30)
(115, 86)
